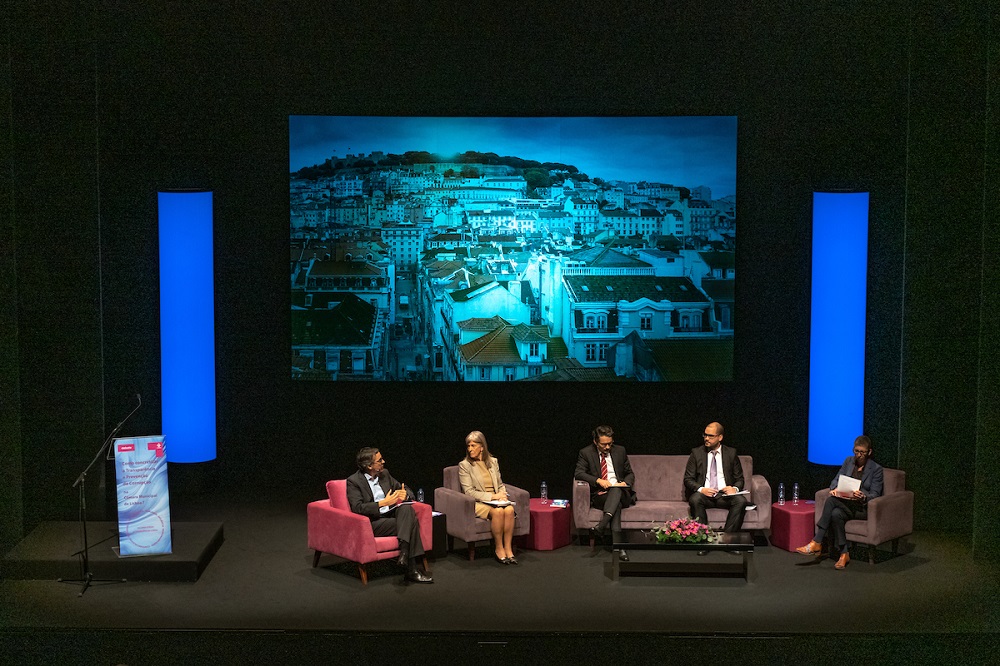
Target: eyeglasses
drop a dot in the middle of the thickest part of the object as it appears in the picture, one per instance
(861, 452)
(380, 460)
(705, 435)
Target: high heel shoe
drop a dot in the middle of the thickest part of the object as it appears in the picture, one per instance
(811, 548)
(844, 560)
(512, 560)
(501, 560)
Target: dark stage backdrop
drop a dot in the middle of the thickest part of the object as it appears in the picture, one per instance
(114, 104)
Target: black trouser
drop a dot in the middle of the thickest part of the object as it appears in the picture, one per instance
(610, 502)
(699, 505)
(836, 513)
(402, 523)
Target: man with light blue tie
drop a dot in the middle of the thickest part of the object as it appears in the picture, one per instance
(712, 478)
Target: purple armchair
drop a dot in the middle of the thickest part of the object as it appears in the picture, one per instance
(333, 528)
(460, 512)
(890, 516)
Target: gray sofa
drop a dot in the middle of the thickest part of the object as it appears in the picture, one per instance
(659, 487)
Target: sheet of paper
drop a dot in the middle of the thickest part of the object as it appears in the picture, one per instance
(846, 485)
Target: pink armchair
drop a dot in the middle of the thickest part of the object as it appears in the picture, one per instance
(890, 516)
(460, 512)
(333, 528)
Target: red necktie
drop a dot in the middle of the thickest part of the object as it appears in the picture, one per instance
(604, 466)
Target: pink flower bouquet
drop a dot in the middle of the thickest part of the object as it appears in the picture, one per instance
(684, 530)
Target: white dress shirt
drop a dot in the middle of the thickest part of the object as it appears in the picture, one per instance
(377, 493)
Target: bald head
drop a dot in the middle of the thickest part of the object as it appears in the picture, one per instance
(712, 436)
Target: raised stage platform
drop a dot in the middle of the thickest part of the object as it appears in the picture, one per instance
(52, 551)
(261, 600)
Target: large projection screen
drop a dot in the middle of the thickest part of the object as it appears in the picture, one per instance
(512, 249)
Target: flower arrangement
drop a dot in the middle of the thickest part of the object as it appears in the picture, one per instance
(684, 530)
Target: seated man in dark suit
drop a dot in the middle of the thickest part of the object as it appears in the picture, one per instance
(606, 468)
(712, 477)
(839, 509)
(372, 492)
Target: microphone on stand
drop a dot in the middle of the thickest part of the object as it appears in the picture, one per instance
(86, 575)
(111, 453)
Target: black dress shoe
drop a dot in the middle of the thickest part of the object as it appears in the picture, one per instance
(623, 555)
(417, 576)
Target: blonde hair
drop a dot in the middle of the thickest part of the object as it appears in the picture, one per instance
(479, 438)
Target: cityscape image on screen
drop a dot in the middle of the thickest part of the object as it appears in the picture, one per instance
(490, 249)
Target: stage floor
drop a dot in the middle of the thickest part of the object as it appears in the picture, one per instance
(261, 579)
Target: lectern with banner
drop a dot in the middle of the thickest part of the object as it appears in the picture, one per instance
(143, 497)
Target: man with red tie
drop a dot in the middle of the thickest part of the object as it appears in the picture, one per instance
(713, 476)
(606, 468)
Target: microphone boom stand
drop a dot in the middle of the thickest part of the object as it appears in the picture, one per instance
(86, 575)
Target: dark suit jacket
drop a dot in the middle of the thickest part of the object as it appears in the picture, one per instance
(588, 468)
(871, 477)
(359, 493)
(697, 468)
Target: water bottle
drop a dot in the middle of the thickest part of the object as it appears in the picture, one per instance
(545, 493)
(795, 493)
(781, 493)
(420, 495)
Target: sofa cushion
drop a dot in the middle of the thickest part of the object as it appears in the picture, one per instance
(659, 478)
(653, 513)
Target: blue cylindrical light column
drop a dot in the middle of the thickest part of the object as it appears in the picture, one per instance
(837, 333)
(187, 325)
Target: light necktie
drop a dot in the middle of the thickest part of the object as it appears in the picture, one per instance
(713, 475)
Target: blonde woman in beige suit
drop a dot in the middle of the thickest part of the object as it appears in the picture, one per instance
(479, 474)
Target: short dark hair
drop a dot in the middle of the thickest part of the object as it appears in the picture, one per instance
(603, 431)
(863, 440)
(366, 457)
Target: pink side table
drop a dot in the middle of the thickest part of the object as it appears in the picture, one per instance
(792, 525)
(549, 526)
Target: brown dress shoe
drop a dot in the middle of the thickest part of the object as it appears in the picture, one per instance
(844, 560)
(811, 548)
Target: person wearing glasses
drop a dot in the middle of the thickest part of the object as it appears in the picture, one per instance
(606, 468)
(839, 508)
(479, 474)
(373, 493)
(713, 477)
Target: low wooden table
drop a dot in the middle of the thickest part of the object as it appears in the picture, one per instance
(730, 556)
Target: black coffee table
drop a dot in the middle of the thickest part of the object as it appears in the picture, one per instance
(730, 556)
